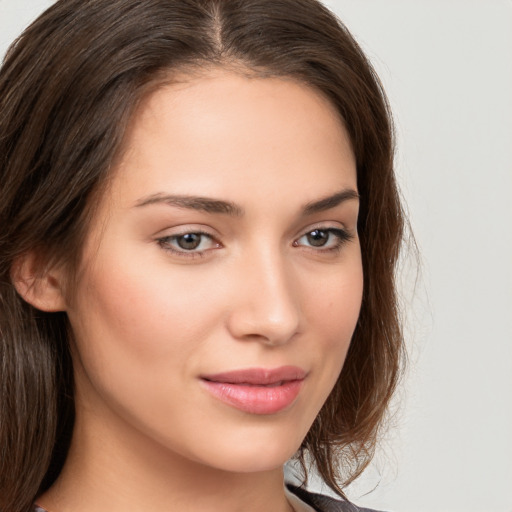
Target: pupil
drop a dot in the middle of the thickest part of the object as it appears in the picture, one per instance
(317, 238)
(189, 241)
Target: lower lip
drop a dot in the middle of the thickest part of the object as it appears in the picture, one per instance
(255, 399)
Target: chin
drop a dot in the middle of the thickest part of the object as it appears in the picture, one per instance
(250, 461)
(256, 450)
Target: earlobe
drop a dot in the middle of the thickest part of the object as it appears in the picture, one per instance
(40, 286)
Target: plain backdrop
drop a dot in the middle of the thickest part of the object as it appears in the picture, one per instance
(447, 68)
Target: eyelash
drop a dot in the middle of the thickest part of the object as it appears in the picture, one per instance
(342, 237)
(165, 243)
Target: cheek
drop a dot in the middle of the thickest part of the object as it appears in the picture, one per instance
(141, 310)
(139, 335)
(332, 311)
(333, 307)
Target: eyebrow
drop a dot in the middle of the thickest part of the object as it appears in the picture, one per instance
(204, 204)
(330, 201)
(210, 205)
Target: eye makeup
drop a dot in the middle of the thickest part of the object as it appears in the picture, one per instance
(324, 239)
(198, 243)
(189, 244)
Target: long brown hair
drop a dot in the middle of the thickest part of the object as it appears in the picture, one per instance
(68, 87)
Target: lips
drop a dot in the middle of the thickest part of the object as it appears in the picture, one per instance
(257, 390)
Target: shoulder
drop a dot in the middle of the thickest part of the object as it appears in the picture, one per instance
(323, 503)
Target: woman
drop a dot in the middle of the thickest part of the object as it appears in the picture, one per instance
(200, 225)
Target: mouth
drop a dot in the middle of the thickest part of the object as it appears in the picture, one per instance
(257, 390)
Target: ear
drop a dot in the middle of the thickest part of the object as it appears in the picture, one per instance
(40, 286)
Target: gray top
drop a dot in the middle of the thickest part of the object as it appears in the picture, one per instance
(322, 503)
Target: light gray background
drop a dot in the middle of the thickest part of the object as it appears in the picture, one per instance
(447, 67)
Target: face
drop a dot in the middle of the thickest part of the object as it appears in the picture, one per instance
(221, 279)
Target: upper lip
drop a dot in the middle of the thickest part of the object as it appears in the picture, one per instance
(258, 376)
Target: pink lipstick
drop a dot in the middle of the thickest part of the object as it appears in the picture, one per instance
(257, 390)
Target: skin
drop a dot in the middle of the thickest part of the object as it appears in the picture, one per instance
(148, 322)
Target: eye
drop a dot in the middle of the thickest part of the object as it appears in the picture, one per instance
(325, 239)
(193, 243)
(189, 241)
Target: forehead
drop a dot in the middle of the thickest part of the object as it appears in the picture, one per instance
(214, 133)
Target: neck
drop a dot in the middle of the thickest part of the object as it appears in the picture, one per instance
(119, 469)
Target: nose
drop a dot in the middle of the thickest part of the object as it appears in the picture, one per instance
(266, 301)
